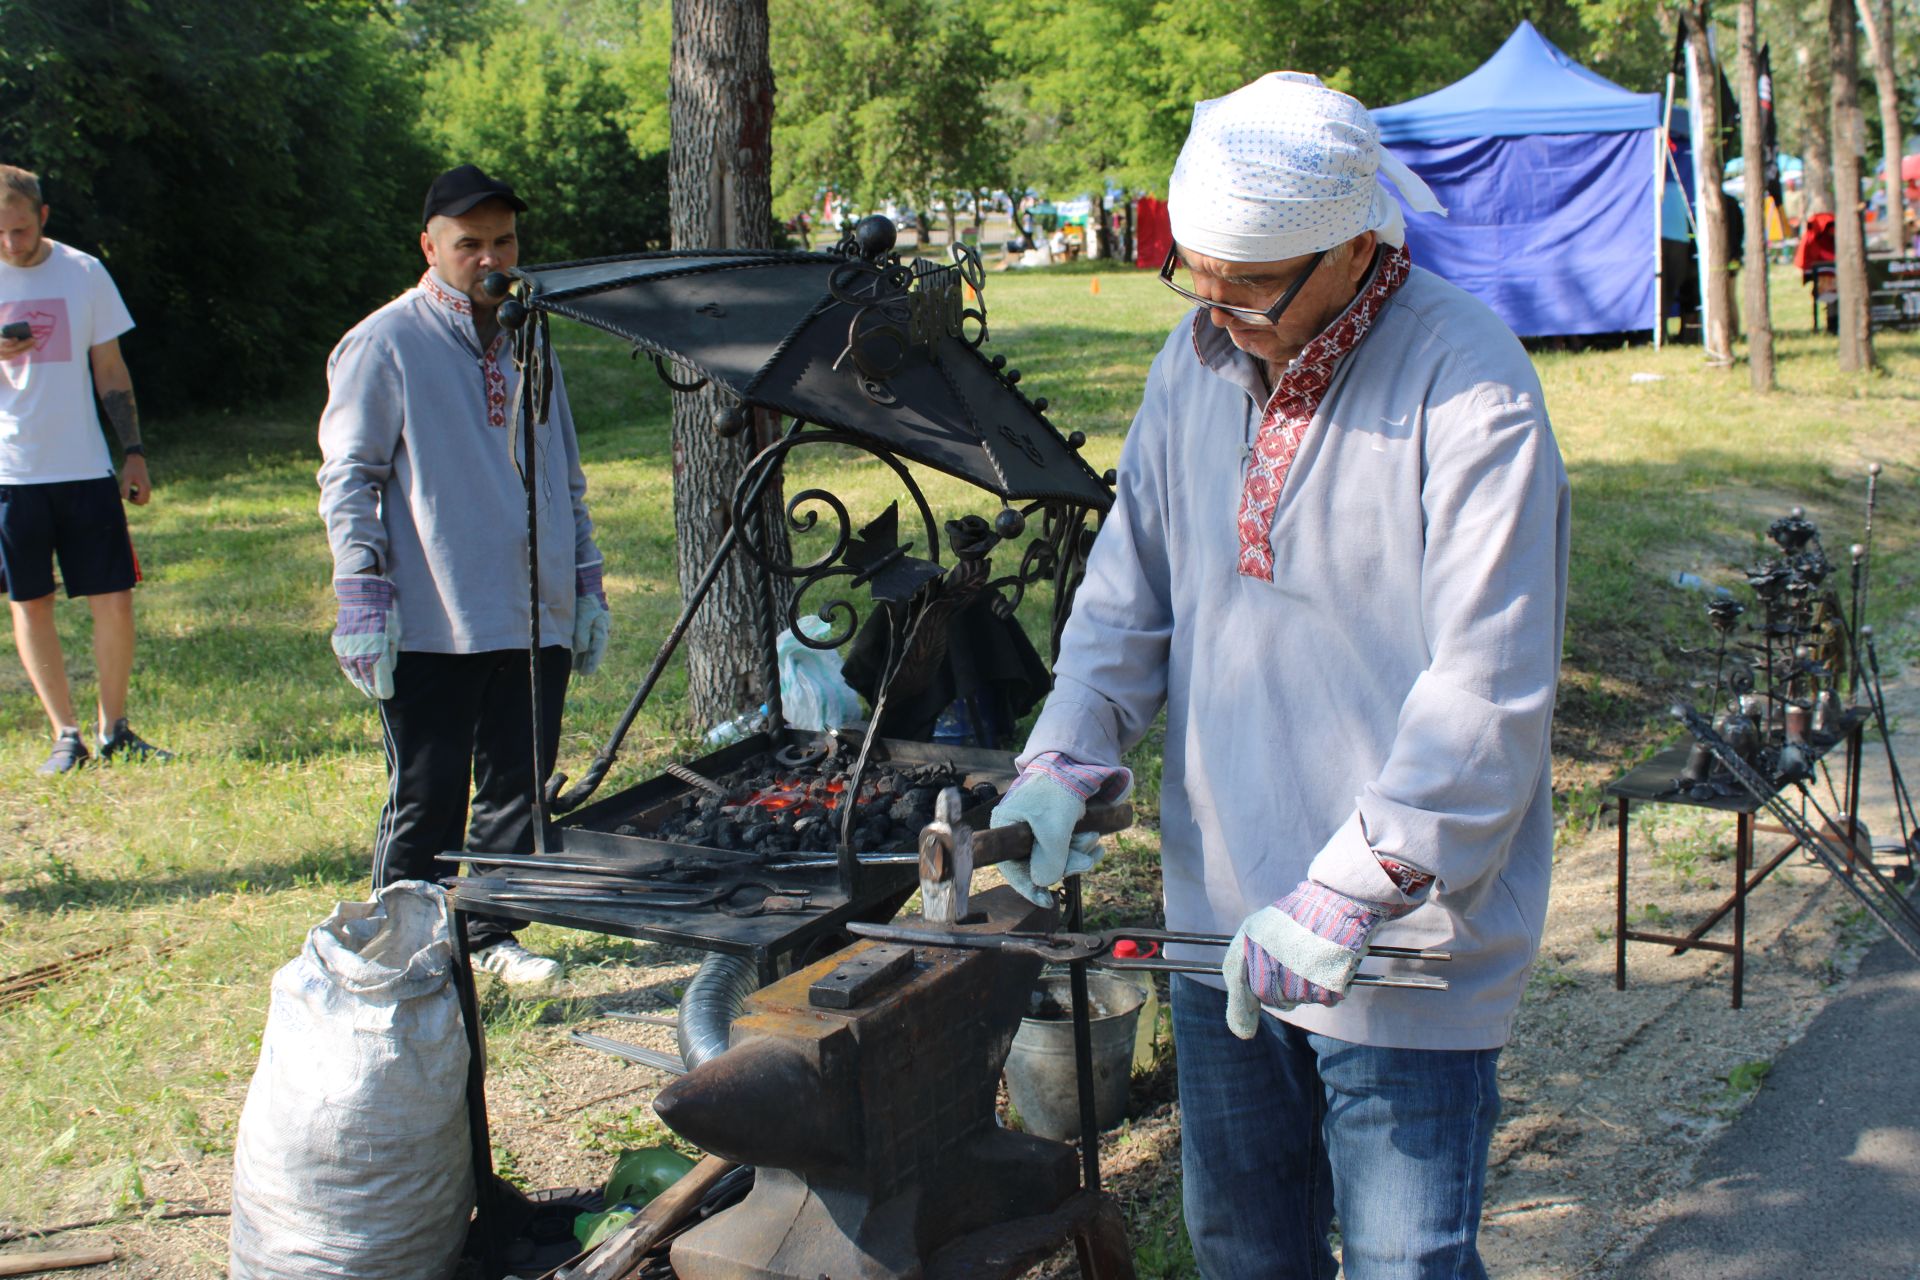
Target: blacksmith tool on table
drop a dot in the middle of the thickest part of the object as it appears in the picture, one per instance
(597, 884)
(1130, 949)
(951, 851)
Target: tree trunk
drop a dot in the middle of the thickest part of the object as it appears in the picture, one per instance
(1716, 278)
(1816, 175)
(1877, 17)
(1753, 146)
(1849, 233)
(720, 104)
(1098, 242)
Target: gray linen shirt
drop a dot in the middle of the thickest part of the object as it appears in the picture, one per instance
(1390, 690)
(417, 484)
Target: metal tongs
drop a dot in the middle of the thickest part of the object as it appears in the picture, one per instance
(1130, 949)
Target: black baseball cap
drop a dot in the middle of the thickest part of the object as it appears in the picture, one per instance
(458, 190)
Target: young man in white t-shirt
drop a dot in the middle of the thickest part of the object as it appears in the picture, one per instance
(58, 494)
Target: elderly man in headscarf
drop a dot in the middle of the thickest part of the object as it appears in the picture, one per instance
(1337, 558)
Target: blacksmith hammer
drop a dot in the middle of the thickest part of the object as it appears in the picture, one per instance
(951, 850)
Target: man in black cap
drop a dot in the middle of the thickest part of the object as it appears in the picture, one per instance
(426, 515)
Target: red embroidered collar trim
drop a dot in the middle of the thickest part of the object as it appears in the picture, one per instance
(493, 379)
(458, 303)
(1296, 398)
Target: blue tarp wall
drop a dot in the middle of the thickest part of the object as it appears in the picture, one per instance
(1546, 170)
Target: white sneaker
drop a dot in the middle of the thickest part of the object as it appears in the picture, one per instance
(515, 965)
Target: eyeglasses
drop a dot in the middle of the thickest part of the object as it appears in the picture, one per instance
(1251, 315)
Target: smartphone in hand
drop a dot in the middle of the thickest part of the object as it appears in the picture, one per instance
(16, 331)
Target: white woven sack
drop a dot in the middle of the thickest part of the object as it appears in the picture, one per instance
(352, 1160)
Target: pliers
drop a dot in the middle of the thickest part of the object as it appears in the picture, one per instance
(1129, 949)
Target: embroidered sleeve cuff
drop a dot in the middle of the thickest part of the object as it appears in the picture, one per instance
(1347, 864)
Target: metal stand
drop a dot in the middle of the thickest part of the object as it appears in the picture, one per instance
(1652, 783)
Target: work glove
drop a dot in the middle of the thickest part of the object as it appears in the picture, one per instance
(1301, 950)
(1051, 796)
(590, 619)
(366, 636)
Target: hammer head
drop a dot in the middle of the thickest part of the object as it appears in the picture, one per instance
(946, 860)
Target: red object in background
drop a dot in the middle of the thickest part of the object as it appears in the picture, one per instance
(1152, 233)
(1816, 242)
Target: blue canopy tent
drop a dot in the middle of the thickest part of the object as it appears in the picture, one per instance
(1547, 172)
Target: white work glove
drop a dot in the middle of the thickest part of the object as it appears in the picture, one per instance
(1052, 811)
(590, 619)
(1301, 950)
(366, 635)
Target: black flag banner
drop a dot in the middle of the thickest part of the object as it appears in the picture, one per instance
(1769, 131)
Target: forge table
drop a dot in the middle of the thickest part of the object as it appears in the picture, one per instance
(1653, 783)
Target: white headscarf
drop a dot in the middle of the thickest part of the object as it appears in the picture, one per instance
(1285, 167)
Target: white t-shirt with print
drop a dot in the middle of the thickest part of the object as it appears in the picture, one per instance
(49, 430)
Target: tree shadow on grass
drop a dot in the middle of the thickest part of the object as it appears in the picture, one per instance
(64, 888)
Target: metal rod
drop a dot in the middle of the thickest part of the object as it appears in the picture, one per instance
(1866, 560)
(659, 1060)
(603, 761)
(1083, 1051)
(529, 341)
(486, 1189)
(1903, 800)
(1857, 552)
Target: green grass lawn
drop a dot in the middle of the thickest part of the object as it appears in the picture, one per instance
(211, 870)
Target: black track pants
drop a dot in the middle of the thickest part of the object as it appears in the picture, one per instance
(460, 722)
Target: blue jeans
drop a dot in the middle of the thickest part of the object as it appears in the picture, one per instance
(1281, 1133)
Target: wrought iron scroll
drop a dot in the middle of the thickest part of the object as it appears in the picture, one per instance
(803, 515)
(899, 309)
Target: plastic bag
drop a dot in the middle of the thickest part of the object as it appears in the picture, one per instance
(813, 694)
(352, 1160)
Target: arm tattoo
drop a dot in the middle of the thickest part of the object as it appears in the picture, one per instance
(123, 415)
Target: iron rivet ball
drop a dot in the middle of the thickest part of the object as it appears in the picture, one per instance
(1013, 377)
(1075, 439)
(1040, 405)
(1110, 477)
(512, 313)
(1009, 524)
(731, 422)
(497, 284)
(875, 236)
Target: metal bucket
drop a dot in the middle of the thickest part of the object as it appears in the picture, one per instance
(1041, 1079)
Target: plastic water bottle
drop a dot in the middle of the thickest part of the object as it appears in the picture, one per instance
(728, 732)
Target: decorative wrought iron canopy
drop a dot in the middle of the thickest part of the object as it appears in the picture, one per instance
(852, 340)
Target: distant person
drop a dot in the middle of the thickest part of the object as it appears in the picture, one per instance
(59, 498)
(426, 515)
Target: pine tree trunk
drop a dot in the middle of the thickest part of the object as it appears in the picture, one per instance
(1753, 147)
(1849, 233)
(720, 103)
(1717, 278)
(1877, 17)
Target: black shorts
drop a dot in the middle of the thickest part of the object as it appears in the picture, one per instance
(82, 522)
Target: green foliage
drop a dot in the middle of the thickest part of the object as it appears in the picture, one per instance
(881, 99)
(1746, 1078)
(245, 171)
(566, 99)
